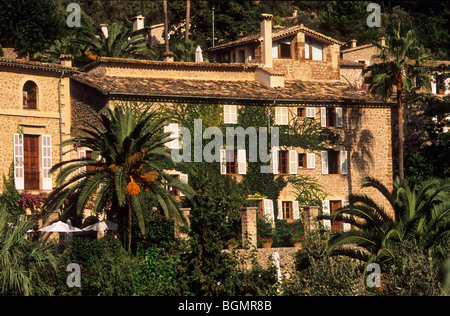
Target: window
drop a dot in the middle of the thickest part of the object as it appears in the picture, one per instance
(230, 114)
(330, 207)
(281, 115)
(284, 161)
(313, 49)
(334, 162)
(32, 162)
(331, 117)
(175, 135)
(267, 210)
(184, 179)
(30, 95)
(233, 162)
(282, 48)
(306, 112)
(288, 210)
(302, 160)
(301, 112)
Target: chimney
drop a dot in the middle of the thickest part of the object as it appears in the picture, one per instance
(382, 41)
(66, 60)
(138, 23)
(104, 28)
(266, 33)
(295, 13)
(353, 43)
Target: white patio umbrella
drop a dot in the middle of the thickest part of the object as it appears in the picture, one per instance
(101, 226)
(198, 55)
(60, 227)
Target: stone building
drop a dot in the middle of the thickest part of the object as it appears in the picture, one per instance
(302, 82)
(35, 115)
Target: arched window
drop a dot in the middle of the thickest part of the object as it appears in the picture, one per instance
(30, 95)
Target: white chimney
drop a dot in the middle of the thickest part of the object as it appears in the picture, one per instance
(138, 23)
(104, 28)
(266, 33)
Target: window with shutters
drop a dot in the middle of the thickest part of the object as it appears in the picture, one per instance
(313, 49)
(31, 162)
(302, 163)
(287, 209)
(284, 161)
(282, 48)
(174, 131)
(182, 178)
(334, 162)
(230, 114)
(336, 225)
(331, 117)
(30, 95)
(301, 112)
(281, 115)
(233, 161)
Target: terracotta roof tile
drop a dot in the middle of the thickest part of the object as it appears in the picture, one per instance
(294, 91)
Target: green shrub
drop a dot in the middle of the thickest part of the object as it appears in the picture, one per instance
(321, 275)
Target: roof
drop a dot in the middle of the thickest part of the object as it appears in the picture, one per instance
(176, 90)
(349, 63)
(277, 34)
(351, 49)
(165, 64)
(22, 63)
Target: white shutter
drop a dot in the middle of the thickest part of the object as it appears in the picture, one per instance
(310, 160)
(230, 114)
(339, 122)
(323, 117)
(19, 176)
(81, 155)
(175, 135)
(293, 161)
(311, 112)
(326, 211)
(343, 161)
(280, 210)
(434, 85)
(242, 162)
(268, 210)
(324, 159)
(223, 161)
(183, 179)
(46, 162)
(275, 157)
(347, 226)
(317, 50)
(281, 115)
(295, 208)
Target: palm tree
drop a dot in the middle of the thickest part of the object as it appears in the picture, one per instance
(421, 214)
(20, 258)
(397, 64)
(128, 161)
(117, 43)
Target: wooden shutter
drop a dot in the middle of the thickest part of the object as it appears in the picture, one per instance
(175, 135)
(230, 114)
(280, 210)
(183, 179)
(347, 226)
(323, 117)
(293, 161)
(275, 157)
(326, 211)
(310, 160)
(46, 162)
(281, 115)
(223, 161)
(310, 112)
(295, 210)
(19, 177)
(324, 159)
(343, 162)
(242, 161)
(339, 119)
(268, 210)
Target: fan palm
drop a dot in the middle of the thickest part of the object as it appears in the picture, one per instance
(421, 214)
(117, 43)
(128, 160)
(20, 259)
(398, 64)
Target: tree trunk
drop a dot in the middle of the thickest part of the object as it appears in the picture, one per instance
(188, 19)
(166, 26)
(400, 128)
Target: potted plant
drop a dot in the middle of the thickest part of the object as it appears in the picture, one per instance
(266, 242)
(297, 240)
(232, 243)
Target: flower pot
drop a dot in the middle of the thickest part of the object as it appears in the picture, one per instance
(266, 244)
(297, 244)
(231, 247)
